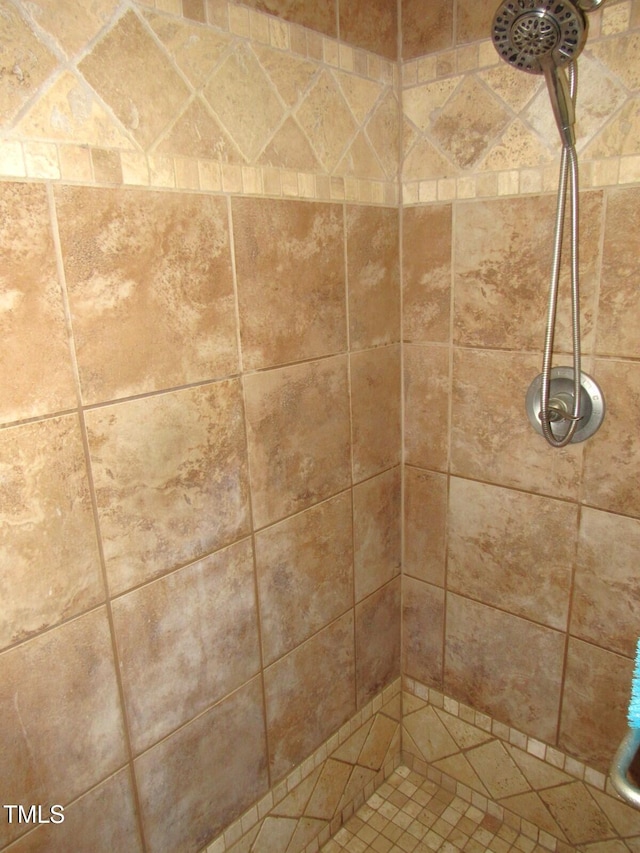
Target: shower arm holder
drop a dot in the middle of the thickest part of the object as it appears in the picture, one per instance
(620, 768)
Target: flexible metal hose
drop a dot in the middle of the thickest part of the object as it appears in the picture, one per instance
(568, 173)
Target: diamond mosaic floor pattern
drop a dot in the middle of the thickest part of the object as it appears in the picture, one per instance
(409, 814)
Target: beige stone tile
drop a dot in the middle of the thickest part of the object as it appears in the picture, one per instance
(428, 734)
(518, 144)
(531, 807)
(510, 84)
(376, 530)
(512, 550)
(595, 701)
(37, 375)
(426, 259)
(63, 730)
(427, 396)
(327, 120)
(291, 280)
(473, 21)
(371, 26)
(501, 281)
(618, 138)
(469, 121)
(29, 61)
(623, 816)
(243, 98)
(145, 320)
(612, 456)
(423, 611)
(51, 564)
(459, 768)
(577, 813)
(601, 94)
(328, 790)
(465, 734)
(275, 833)
(383, 131)
(319, 15)
(306, 830)
(619, 55)
(305, 574)
(195, 10)
(290, 149)
(498, 771)
(101, 820)
(426, 28)
(360, 161)
(204, 637)
(606, 575)
(381, 740)
(196, 50)
(147, 92)
(504, 665)
(489, 392)
(373, 273)
(72, 25)
(377, 641)
(619, 304)
(198, 781)
(425, 524)
(361, 94)
(539, 774)
(292, 75)
(159, 465)
(421, 102)
(69, 111)
(375, 410)
(298, 436)
(309, 694)
(107, 166)
(197, 133)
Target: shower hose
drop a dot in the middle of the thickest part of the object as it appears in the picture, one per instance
(555, 410)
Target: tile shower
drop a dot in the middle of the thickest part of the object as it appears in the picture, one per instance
(219, 555)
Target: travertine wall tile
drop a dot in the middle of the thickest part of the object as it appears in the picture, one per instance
(57, 756)
(174, 671)
(159, 464)
(305, 574)
(43, 470)
(37, 378)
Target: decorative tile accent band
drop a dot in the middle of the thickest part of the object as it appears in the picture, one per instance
(533, 787)
(314, 800)
(238, 102)
(473, 127)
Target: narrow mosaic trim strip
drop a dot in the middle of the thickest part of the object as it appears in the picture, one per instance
(594, 174)
(247, 826)
(79, 164)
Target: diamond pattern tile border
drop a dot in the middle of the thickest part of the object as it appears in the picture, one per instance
(557, 801)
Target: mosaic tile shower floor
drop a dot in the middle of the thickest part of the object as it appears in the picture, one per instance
(410, 814)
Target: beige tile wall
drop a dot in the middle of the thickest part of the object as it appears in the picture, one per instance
(200, 424)
(170, 621)
(521, 595)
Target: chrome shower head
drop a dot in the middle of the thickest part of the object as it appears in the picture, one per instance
(540, 37)
(529, 34)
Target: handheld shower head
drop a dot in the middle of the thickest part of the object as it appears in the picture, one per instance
(541, 37)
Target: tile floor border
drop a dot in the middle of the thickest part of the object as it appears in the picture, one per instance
(459, 748)
(306, 808)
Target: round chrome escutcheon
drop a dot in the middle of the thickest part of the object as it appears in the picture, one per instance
(592, 406)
